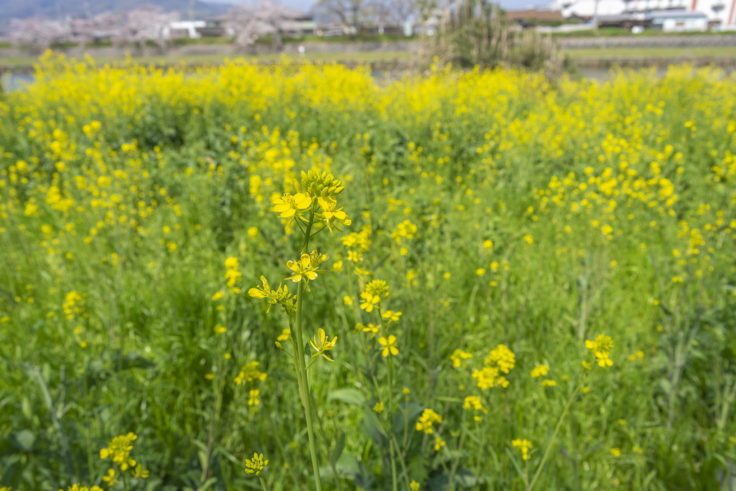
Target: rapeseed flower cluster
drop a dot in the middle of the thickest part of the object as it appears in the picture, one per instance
(72, 305)
(601, 348)
(256, 464)
(320, 189)
(522, 446)
(540, 371)
(500, 360)
(427, 420)
(118, 450)
(232, 274)
(458, 356)
(372, 294)
(357, 244)
(473, 403)
(250, 373)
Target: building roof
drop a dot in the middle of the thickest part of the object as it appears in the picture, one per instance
(676, 14)
(620, 18)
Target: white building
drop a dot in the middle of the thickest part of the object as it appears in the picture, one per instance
(678, 20)
(718, 12)
(184, 29)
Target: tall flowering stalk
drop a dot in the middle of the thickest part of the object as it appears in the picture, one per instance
(312, 210)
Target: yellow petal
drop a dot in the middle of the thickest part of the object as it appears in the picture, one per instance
(302, 201)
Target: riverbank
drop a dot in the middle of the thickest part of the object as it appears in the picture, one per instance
(591, 52)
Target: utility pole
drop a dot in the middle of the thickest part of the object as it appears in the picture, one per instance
(595, 14)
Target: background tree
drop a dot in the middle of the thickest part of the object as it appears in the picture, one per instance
(101, 27)
(477, 33)
(350, 13)
(249, 22)
(37, 33)
(384, 13)
(145, 24)
(401, 11)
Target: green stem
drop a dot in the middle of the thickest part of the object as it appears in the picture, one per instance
(401, 460)
(552, 439)
(456, 462)
(305, 385)
(214, 418)
(390, 404)
(263, 483)
(302, 368)
(294, 355)
(405, 439)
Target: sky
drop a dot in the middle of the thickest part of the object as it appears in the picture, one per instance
(305, 5)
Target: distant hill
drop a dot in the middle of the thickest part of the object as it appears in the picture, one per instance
(60, 9)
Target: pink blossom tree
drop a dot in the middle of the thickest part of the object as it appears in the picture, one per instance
(249, 22)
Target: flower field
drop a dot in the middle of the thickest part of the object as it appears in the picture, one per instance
(296, 277)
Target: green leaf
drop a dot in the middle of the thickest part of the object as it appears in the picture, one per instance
(209, 483)
(372, 426)
(348, 396)
(25, 440)
(339, 447)
(466, 479)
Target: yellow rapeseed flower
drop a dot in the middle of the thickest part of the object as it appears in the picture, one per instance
(110, 478)
(540, 371)
(389, 346)
(458, 356)
(321, 343)
(279, 296)
(288, 206)
(253, 399)
(523, 446)
(306, 267)
(438, 443)
(390, 315)
(255, 464)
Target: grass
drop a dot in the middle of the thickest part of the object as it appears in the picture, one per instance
(689, 52)
(195, 60)
(621, 32)
(395, 56)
